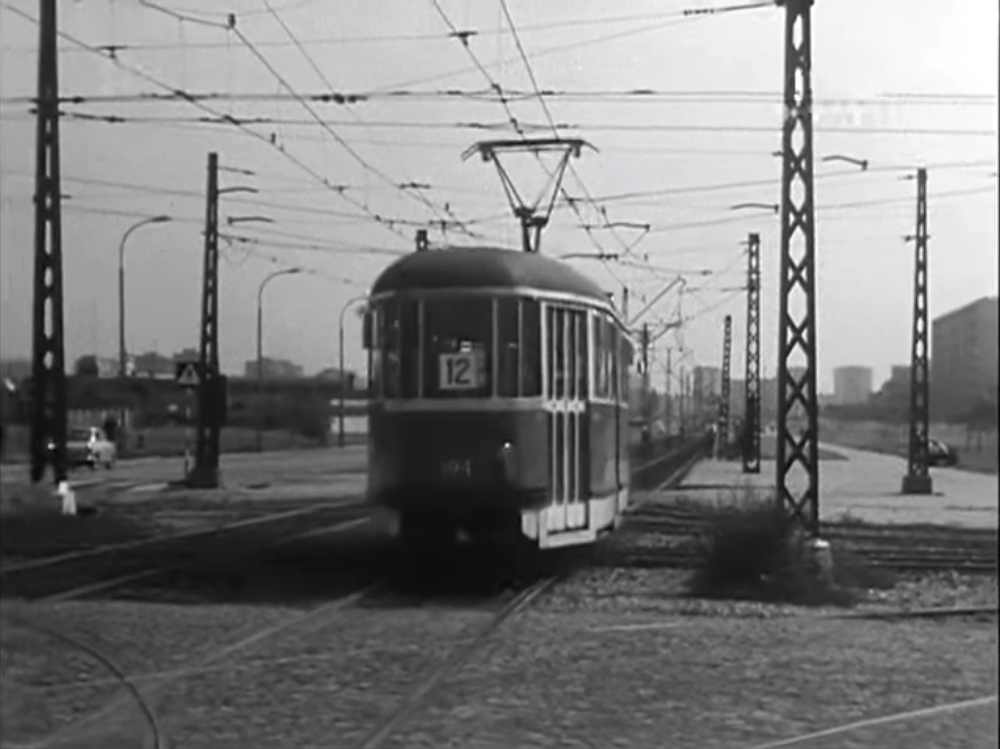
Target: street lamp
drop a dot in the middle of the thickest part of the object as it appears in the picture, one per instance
(121, 286)
(765, 206)
(590, 256)
(247, 219)
(863, 163)
(340, 417)
(260, 339)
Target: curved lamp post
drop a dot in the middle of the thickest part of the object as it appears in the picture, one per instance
(260, 339)
(340, 417)
(121, 285)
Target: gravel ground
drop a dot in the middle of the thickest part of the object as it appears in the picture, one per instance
(612, 657)
(65, 683)
(566, 682)
(327, 684)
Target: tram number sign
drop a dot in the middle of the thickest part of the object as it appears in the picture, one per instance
(458, 371)
(456, 469)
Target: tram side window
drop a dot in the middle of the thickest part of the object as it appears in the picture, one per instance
(602, 359)
(391, 348)
(409, 346)
(614, 363)
(582, 350)
(508, 346)
(375, 353)
(625, 355)
(531, 348)
(458, 348)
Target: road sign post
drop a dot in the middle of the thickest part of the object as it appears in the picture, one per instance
(188, 376)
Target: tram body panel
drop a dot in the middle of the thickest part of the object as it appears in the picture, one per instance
(497, 382)
(455, 462)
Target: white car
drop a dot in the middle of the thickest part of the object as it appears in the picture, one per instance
(89, 446)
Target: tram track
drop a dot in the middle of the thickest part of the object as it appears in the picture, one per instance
(102, 569)
(460, 655)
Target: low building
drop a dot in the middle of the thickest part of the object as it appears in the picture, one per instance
(852, 385)
(964, 360)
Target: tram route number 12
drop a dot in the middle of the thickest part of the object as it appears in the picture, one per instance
(458, 371)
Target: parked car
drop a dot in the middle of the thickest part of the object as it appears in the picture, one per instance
(940, 453)
(89, 446)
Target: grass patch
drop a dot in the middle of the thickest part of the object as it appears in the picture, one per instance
(753, 551)
(34, 531)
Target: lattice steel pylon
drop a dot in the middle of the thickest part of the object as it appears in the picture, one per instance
(532, 220)
(48, 364)
(797, 312)
(751, 400)
(722, 443)
(205, 473)
(918, 479)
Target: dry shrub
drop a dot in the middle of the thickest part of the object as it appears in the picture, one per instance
(753, 550)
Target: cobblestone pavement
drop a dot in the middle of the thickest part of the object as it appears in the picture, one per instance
(610, 658)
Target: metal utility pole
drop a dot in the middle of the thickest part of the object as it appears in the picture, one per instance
(668, 406)
(751, 401)
(645, 377)
(917, 479)
(48, 363)
(681, 406)
(211, 387)
(798, 454)
(727, 346)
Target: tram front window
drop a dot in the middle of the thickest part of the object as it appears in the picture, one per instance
(458, 353)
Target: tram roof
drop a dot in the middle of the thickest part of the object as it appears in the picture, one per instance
(484, 267)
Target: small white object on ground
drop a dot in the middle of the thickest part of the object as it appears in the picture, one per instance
(68, 498)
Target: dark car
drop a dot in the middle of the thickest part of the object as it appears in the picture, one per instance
(940, 453)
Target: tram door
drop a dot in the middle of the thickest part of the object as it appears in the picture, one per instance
(566, 405)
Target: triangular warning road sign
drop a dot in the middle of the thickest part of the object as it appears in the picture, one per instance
(188, 376)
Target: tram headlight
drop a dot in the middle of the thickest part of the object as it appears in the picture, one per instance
(508, 460)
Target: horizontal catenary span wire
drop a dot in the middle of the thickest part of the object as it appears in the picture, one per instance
(549, 26)
(228, 119)
(149, 78)
(488, 96)
(371, 39)
(317, 243)
(456, 146)
(747, 219)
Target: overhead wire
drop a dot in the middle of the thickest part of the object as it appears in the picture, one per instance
(326, 126)
(641, 95)
(555, 130)
(215, 113)
(521, 128)
(316, 68)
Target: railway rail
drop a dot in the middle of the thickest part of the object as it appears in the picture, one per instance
(99, 569)
(675, 536)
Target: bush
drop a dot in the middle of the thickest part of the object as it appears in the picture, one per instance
(753, 550)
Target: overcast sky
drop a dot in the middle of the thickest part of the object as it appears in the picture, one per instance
(896, 83)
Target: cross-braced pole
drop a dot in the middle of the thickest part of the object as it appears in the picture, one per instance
(668, 406)
(917, 479)
(206, 469)
(48, 366)
(727, 347)
(798, 445)
(751, 400)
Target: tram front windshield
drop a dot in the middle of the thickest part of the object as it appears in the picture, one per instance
(458, 354)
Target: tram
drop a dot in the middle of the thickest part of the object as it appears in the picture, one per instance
(498, 399)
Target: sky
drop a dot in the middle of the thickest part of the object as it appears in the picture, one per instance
(899, 83)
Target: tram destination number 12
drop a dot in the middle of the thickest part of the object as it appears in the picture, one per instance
(458, 371)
